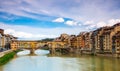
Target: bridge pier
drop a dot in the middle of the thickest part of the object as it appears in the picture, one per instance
(32, 51)
(52, 50)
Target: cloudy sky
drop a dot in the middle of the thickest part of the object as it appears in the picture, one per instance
(38, 19)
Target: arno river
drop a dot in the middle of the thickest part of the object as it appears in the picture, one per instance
(43, 61)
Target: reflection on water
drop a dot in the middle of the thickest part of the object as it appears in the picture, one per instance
(37, 52)
(61, 63)
(25, 52)
(41, 52)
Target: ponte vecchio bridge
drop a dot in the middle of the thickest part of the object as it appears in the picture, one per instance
(34, 45)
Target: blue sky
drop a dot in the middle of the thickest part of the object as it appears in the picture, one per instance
(38, 19)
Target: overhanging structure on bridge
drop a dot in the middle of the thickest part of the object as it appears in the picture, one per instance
(33, 45)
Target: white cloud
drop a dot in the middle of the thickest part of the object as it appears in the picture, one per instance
(26, 35)
(113, 21)
(58, 20)
(101, 24)
(37, 33)
(89, 22)
(9, 31)
(18, 33)
(40, 33)
(79, 10)
(79, 24)
(110, 22)
(71, 23)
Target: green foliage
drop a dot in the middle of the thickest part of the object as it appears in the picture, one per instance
(47, 39)
(7, 57)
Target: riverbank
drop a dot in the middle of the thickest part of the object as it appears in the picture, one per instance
(5, 58)
(83, 52)
(5, 52)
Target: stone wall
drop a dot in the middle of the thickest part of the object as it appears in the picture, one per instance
(5, 52)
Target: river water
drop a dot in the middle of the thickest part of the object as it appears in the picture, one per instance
(43, 61)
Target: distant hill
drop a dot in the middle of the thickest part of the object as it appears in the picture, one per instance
(47, 39)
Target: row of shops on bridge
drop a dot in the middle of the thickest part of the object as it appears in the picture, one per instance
(22, 44)
(104, 40)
